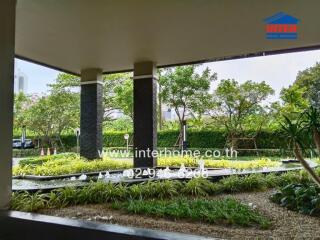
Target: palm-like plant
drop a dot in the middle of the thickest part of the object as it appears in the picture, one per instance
(294, 131)
(312, 116)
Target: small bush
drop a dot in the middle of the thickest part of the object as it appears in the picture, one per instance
(197, 187)
(252, 182)
(304, 198)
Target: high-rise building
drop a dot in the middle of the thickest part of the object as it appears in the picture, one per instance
(20, 81)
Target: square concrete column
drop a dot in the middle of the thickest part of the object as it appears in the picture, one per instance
(145, 114)
(7, 37)
(91, 118)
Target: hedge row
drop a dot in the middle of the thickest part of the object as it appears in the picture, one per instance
(197, 139)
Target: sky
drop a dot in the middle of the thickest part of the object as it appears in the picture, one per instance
(277, 70)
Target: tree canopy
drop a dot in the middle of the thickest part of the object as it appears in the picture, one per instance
(233, 103)
(186, 91)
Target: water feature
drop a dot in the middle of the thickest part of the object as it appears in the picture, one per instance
(140, 175)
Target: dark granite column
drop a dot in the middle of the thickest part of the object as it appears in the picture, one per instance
(91, 139)
(145, 114)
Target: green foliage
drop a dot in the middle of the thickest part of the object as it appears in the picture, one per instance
(66, 164)
(123, 124)
(117, 94)
(312, 118)
(197, 187)
(234, 103)
(24, 201)
(228, 211)
(294, 100)
(71, 163)
(303, 93)
(21, 104)
(42, 159)
(186, 91)
(50, 115)
(254, 182)
(162, 190)
(197, 139)
(102, 192)
(21, 153)
(123, 98)
(293, 131)
(304, 198)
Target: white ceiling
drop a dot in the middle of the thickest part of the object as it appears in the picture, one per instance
(113, 34)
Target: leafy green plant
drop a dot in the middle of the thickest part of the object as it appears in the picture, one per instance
(197, 187)
(161, 189)
(101, 192)
(227, 211)
(312, 117)
(294, 130)
(71, 163)
(304, 198)
(67, 196)
(28, 202)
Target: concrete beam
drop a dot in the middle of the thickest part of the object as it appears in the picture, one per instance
(145, 113)
(91, 139)
(7, 38)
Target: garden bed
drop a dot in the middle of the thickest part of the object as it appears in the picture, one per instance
(285, 224)
(71, 163)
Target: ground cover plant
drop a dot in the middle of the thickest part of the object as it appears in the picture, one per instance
(103, 192)
(72, 163)
(304, 198)
(228, 211)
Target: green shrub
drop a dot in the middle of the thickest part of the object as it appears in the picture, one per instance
(197, 187)
(19, 153)
(161, 189)
(197, 139)
(25, 201)
(39, 160)
(252, 182)
(227, 211)
(304, 198)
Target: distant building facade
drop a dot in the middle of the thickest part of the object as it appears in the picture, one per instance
(20, 81)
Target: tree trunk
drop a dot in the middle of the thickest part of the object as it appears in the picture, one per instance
(298, 154)
(316, 139)
(181, 136)
(160, 109)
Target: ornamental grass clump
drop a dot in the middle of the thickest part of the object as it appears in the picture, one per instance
(225, 211)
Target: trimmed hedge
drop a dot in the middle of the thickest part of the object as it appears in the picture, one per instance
(208, 139)
(197, 139)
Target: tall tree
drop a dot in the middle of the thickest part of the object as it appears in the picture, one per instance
(293, 100)
(233, 104)
(123, 97)
(116, 91)
(50, 115)
(186, 91)
(21, 104)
